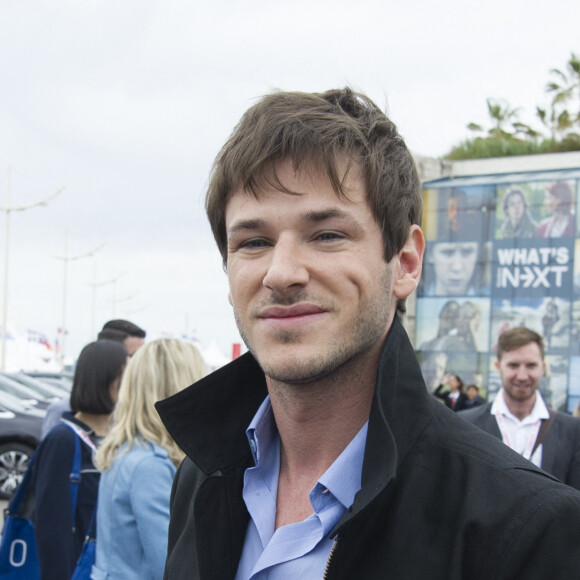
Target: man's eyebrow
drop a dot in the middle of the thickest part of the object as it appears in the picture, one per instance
(245, 225)
(325, 214)
(309, 216)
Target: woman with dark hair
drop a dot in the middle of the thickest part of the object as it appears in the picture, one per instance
(59, 531)
(454, 398)
(559, 202)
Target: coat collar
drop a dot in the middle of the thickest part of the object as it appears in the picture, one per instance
(208, 420)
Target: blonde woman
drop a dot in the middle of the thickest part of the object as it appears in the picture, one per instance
(138, 460)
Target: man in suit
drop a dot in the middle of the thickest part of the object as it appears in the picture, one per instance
(518, 414)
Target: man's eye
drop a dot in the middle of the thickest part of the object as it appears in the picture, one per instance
(329, 236)
(254, 243)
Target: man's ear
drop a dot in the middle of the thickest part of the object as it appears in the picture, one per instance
(230, 298)
(409, 263)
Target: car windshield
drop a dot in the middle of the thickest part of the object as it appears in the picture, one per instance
(19, 405)
(39, 386)
(18, 389)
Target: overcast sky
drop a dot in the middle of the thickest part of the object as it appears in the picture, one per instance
(125, 103)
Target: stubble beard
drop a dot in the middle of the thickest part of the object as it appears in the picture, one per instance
(343, 353)
(520, 394)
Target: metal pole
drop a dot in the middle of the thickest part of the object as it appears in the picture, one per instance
(65, 258)
(64, 284)
(7, 209)
(5, 280)
(93, 298)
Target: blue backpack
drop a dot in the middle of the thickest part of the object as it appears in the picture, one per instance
(18, 551)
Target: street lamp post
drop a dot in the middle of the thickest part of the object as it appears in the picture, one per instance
(7, 209)
(66, 257)
(94, 285)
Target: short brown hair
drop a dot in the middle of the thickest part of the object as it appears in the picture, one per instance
(516, 338)
(319, 128)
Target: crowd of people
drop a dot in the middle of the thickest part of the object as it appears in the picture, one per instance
(320, 452)
(128, 459)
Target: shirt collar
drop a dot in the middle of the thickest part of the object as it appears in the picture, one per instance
(342, 479)
(540, 411)
(262, 430)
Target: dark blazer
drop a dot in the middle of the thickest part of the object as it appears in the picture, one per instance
(560, 448)
(440, 499)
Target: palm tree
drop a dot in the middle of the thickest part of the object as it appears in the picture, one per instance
(564, 88)
(502, 114)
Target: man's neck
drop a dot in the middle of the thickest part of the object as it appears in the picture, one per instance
(316, 422)
(520, 409)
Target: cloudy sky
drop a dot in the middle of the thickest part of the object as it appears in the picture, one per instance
(125, 104)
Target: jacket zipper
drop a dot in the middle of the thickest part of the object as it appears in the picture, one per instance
(332, 550)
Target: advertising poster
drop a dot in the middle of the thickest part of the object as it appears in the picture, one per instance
(500, 255)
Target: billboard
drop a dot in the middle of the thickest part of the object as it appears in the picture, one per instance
(501, 251)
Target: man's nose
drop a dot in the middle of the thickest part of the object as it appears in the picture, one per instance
(522, 373)
(456, 262)
(287, 267)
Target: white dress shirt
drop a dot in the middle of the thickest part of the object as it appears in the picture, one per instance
(520, 435)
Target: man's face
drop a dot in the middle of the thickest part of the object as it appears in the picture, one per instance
(471, 393)
(452, 208)
(515, 209)
(132, 344)
(308, 282)
(454, 264)
(521, 370)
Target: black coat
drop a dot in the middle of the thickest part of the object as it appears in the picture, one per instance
(560, 448)
(440, 499)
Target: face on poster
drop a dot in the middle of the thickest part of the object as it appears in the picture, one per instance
(544, 209)
(456, 269)
(458, 214)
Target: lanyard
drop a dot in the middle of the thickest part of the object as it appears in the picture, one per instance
(81, 433)
(527, 452)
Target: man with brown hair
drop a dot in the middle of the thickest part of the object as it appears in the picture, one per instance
(519, 415)
(319, 453)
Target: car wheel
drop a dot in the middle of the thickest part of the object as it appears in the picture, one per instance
(14, 459)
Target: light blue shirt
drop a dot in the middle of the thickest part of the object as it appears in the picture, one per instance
(298, 550)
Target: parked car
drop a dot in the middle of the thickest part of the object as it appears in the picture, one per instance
(63, 379)
(46, 390)
(21, 404)
(19, 437)
(24, 392)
